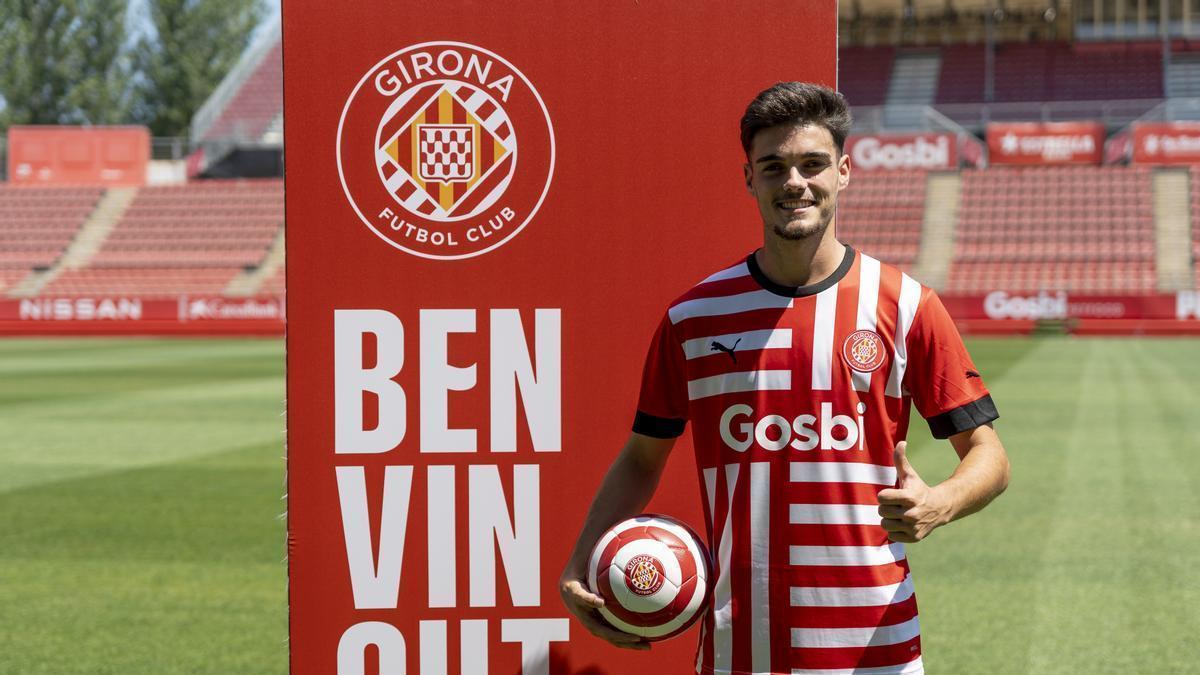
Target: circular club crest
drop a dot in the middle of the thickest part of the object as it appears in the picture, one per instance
(445, 150)
(644, 574)
(863, 350)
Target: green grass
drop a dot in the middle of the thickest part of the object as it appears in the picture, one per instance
(140, 484)
(1086, 563)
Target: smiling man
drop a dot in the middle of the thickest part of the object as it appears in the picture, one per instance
(797, 367)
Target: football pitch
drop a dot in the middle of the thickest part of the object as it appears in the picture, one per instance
(140, 484)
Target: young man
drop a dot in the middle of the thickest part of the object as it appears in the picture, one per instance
(796, 367)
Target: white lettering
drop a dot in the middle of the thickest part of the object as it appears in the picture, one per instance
(351, 652)
(441, 521)
(512, 371)
(351, 379)
(519, 539)
(535, 636)
(1000, 305)
(439, 378)
(374, 586)
(810, 431)
(738, 444)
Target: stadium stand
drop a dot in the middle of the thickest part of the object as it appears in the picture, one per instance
(1055, 71)
(37, 224)
(256, 104)
(864, 73)
(192, 238)
(882, 215)
(1082, 229)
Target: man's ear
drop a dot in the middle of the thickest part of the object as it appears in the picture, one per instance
(844, 171)
(747, 174)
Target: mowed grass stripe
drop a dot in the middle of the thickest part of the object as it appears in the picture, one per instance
(97, 418)
(974, 578)
(151, 542)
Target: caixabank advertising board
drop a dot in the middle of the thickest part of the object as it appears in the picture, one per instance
(489, 207)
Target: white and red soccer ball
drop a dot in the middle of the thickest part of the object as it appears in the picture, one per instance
(654, 574)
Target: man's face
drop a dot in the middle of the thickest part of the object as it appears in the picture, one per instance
(795, 173)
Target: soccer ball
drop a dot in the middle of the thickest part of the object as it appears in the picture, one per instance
(654, 575)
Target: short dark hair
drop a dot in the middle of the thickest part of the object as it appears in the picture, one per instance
(797, 103)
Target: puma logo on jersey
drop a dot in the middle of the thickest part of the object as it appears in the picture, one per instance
(718, 347)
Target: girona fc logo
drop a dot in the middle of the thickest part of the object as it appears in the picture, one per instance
(863, 351)
(445, 150)
(643, 575)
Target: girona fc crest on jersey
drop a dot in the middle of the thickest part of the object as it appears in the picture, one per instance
(644, 575)
(445, 150)
(863, 351)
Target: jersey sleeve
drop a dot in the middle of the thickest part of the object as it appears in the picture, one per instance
(945, 385)
(662, 408)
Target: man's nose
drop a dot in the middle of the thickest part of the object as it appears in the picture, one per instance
(795, 179)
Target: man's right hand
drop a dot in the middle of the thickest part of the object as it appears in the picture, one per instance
(583, 604)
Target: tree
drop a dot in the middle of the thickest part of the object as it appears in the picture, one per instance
(65, 62)
(194, 45)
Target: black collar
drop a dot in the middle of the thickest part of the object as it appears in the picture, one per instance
(801, 291)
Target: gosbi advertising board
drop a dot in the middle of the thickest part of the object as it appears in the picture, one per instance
(903, 151)
(1046, 143)
(489, 208)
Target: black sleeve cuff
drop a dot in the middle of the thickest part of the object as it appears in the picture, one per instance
(964, 418)
(657, 427)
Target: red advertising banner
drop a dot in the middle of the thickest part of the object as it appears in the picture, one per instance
(1166, 142)
(1046, 143)
(131, 315)
(903, 151)
(1004, 305)
(490, 206)
(57, 155)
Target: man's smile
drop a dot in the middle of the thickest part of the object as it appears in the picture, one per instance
(796, 204)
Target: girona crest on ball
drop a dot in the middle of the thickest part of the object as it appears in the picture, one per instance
(445, 150)
(643, 575)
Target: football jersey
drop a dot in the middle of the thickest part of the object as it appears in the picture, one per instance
(797, 398)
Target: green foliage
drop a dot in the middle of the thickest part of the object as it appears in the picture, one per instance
(196, 42)
(65, 62)
(77, 62)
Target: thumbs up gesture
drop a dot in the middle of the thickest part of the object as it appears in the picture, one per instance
(912, 509)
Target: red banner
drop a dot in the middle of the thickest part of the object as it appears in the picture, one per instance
(55, 155)
(1053, 305)
(1166, 143)
(490, 206)
(125, 308)
(903, 151)
(1046, 143)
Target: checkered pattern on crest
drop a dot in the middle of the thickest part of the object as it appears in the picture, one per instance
(446, 152)
(644, 575)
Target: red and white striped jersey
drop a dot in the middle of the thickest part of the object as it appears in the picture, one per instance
(797, 398)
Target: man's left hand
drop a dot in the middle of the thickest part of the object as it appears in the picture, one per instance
(912, 509)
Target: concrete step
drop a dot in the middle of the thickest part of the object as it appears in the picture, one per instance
(248, 282)
(87, 241)
(1172, 229)
(942, 198)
